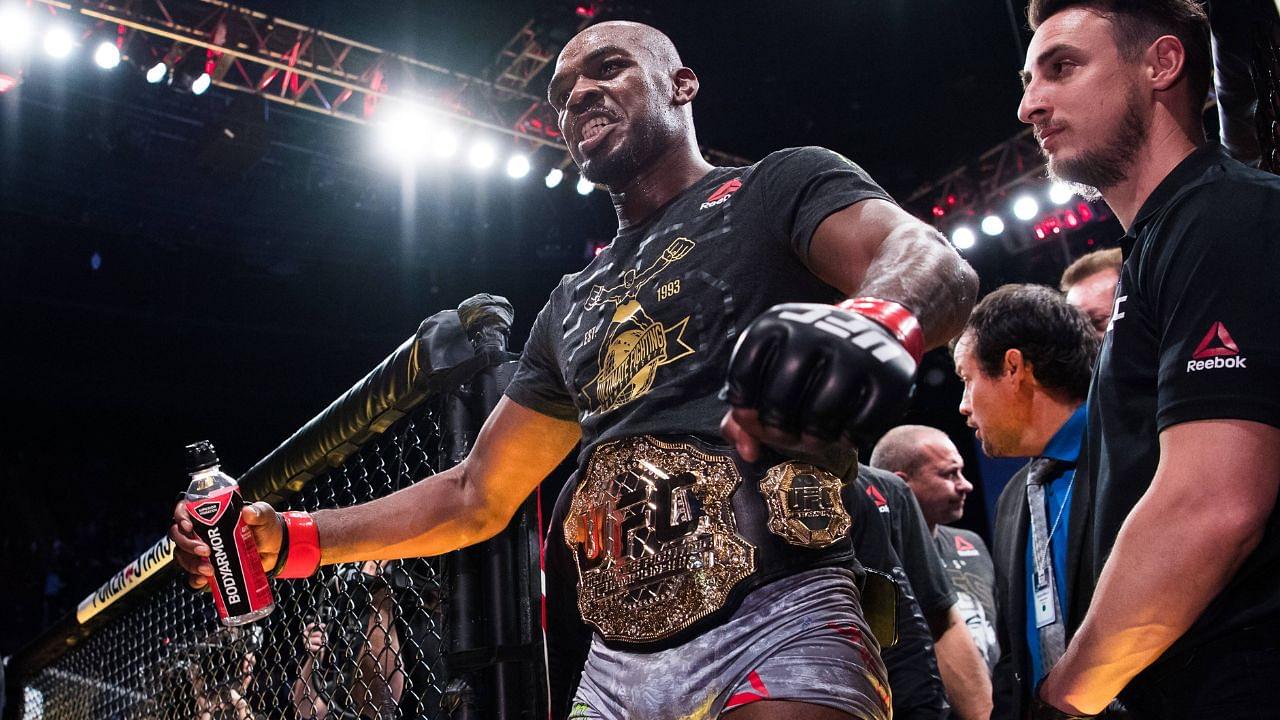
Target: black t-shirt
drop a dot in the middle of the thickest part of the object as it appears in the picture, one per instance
(969, 567)
(909, 532)
(1192, 337)
(639, 341)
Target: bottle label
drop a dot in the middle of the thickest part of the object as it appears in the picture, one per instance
(239, 583)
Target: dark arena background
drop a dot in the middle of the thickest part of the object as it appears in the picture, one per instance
(230, 222)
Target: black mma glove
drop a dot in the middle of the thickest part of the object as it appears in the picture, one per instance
(827, 370)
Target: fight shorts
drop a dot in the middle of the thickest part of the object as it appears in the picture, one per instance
(801, 638)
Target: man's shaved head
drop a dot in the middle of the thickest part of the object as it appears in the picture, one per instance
(622, 98)
(633, 35)
(899, 451)
(932, 467)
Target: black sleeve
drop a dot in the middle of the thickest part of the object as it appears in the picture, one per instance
(538, 383)
(802, 186)
(919, 555)
(1212, 277)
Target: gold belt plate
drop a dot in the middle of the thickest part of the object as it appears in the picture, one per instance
(653, 532)
(804, 504)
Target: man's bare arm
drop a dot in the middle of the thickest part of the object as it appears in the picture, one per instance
(964, 673)
(1147, 597)
(463, 505)
(875, 248)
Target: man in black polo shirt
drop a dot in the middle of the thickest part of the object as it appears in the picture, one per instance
(1182, 443)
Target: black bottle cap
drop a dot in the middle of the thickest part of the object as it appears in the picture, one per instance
(201, 456)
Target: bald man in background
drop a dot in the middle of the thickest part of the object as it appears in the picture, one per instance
(931, 467)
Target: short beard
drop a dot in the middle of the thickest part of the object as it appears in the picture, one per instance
(1097, 170)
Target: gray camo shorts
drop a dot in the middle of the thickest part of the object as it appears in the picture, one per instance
(801, 638)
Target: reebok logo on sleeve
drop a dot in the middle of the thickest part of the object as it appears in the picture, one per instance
(1216, 350)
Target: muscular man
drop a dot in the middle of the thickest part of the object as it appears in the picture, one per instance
(1183, 438)
(1090, 284)
(928, 473)
(688, 551)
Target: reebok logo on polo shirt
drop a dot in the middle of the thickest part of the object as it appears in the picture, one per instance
(964, 548)
(1216, 350)
(722, 194)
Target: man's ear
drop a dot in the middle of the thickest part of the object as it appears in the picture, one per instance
(685, 82)
(902, 475)
(1015, 366)
(1166, 59)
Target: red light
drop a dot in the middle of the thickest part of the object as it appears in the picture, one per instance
(951, 199)
(938, 211)
(599, 249)
(1039, 232)
(1070, 217)
(7, 83)
(585, 11)
(1085, 212)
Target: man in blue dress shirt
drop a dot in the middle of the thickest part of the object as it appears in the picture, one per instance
(1025, 358)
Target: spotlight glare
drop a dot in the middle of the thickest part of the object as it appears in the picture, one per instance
(585, 186)
(157, 72)
(58, 42)
(201, 83)
(403, 136)
(107, 56)
(992, 225)
(1025, 207)
(554, 176)
(963, 238)
(15, 29)
(1060, 193)
(482, 154)
(518, 166)
(443, 142)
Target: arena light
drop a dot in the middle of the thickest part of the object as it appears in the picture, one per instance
(15, 29)
(58, 42)
(8, 82)
(963, 238)
(157, 72)
(992, 225)
(201, 83)
(443, 142)
(482, 154)
(585, 186)
(517, 166)
(1025, 207)
(1060, 193)
(107, 55)
(403, 135)
(554, 176)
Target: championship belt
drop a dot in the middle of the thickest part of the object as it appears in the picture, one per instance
(669, 532)
(657, 543)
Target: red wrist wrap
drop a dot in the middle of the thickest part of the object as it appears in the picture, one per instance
(895, 318)
(303, 557)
